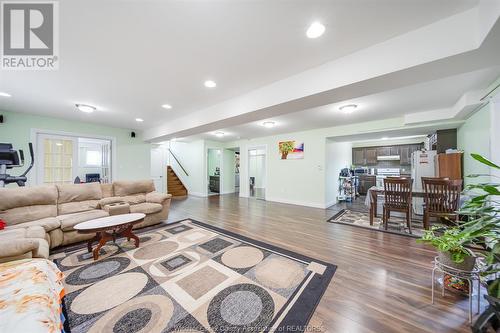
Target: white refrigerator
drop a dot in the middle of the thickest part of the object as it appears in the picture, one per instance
(423, 164)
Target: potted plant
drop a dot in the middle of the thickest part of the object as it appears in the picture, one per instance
(481, 230)
(451, 244)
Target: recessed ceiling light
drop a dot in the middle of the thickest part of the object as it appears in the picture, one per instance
(166, 106)
(315, 30)
(4, 94)
(349, 108)
(140, 120)
(85, 108)
(268, 124)
(210, 84)
(385, 138)
(219, 134)
(58, 144)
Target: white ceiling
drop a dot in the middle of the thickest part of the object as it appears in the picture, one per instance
(427, 96)
(129, 57)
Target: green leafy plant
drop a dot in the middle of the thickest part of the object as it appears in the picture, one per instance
(481, 229)
(285, 148)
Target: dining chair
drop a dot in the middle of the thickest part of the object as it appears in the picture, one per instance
(397, 193)
(431, 178)
(441, 198)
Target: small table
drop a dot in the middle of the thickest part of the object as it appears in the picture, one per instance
(107, 228)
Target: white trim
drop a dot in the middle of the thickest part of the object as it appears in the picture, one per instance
(297, 203)
(198, 194)
(32, 176)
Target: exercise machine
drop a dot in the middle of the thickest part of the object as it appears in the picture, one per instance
(9, 158)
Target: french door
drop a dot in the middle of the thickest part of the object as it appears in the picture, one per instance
(56, 159)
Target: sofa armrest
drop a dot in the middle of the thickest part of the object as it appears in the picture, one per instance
(157, 197)
(17, 247)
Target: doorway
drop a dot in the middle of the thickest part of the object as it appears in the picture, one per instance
(214, 171)
(67, 159)
(257, 172)
(158, 168)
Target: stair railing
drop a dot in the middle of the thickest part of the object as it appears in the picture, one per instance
(177, 160)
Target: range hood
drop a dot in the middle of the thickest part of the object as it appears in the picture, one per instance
(389, 158)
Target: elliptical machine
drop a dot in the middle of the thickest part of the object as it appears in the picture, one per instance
(9, 158)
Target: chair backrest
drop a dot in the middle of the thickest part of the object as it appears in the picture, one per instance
(442, 195)
(397, 192)
(431, 178)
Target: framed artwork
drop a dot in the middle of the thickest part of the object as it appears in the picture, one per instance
(291, 150)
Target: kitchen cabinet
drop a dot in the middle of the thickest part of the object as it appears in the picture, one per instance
(405, 155)
(365, 182)
(450, 165)
(383, 151)
(394, 150)
(371, 156)
(358, 156)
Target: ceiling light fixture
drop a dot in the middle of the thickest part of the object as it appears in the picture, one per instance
(4, 94)
(219, 134)
(385, 138)
(139, 120)
(268, 124)
(349, 108)
(210, 84)
(86, 108)
(315, 30)
(166, 106)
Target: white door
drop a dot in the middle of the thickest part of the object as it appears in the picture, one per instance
(56, 159)
(158, 168)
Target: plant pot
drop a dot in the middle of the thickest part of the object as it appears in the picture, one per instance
(466, 265)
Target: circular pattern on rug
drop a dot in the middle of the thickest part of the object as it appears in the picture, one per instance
(279, 273)
(83, 257)
(241, 307)
(109, 293)
(242, 257)
(98, 270)
(149, 313)
(155, 250)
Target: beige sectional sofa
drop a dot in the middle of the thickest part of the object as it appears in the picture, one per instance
(43, 217)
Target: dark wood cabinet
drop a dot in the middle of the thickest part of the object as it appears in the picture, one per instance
(394, 150)
(365, 182)
(405, 155)
(371, 156)
(358, 156)
(383, 151)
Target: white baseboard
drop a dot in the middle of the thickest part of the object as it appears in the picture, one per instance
(297, 203)
(198, 194)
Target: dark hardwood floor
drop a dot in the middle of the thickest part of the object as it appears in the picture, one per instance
(382, 283)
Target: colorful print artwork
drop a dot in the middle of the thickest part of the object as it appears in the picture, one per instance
(291, 150)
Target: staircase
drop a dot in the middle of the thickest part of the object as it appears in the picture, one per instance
(174, 184)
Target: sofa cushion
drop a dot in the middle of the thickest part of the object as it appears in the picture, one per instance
(107, 190)
(134, 199)
(48, 224)
(124, 188)
(17, 247)
(79, 192)
(27, 196)
(157, 197)
(77, 206)
(109, 200)
(70, 220)
(27, 213)
(146, 208)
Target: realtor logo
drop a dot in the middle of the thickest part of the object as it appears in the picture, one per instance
(30, 35)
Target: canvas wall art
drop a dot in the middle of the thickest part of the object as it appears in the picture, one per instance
(291, 150)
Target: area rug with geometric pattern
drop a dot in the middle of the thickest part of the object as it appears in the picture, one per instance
(190, 277)
(396, 225)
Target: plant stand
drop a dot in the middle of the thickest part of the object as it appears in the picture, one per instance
(470, 276)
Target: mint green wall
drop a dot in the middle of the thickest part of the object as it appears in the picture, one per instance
(474, 137)
(133, 156)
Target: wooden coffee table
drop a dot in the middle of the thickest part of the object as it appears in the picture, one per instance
(108, 228)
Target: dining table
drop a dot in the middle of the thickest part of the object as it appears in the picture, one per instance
(374, 192)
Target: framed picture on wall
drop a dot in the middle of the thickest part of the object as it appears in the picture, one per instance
(291, 150)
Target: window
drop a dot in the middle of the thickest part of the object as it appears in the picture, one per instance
(93, 158)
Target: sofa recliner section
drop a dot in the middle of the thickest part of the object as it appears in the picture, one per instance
(51, 212)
